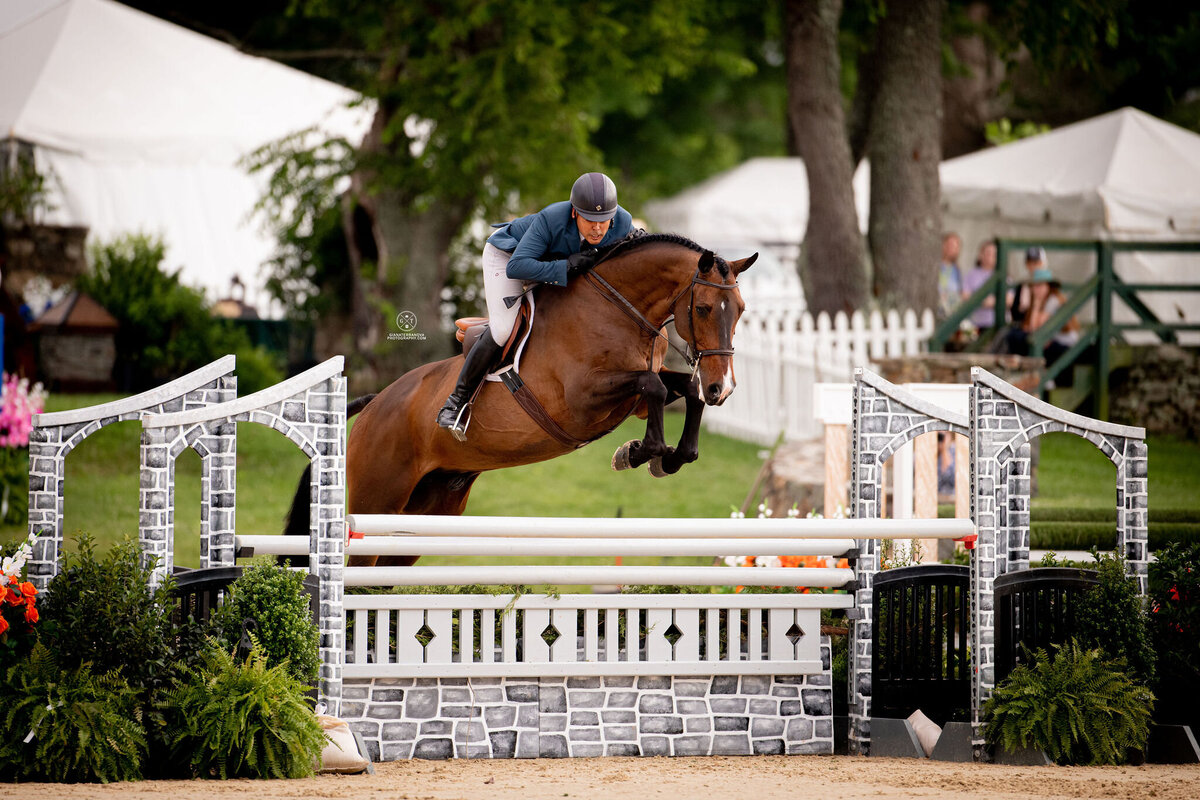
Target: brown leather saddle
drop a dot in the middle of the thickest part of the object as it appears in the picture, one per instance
(471, 328)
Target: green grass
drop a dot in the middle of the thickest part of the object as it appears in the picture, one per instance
(102, 484)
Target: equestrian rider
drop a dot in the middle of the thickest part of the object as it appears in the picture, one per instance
(550, 246)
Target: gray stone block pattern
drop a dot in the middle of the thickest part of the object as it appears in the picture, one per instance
(1004, 420)
(885, 418)
(592, 716)
(55, 435)
(310, 410)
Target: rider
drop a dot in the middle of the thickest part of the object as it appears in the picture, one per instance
(550, 246)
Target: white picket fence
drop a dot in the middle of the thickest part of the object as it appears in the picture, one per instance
(783, 352)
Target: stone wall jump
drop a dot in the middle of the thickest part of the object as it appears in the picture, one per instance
(57, 434)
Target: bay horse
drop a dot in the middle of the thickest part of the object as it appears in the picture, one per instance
(593, 358)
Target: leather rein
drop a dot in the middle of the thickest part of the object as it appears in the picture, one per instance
(694, 353)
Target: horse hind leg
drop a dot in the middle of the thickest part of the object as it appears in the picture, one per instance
(440, 493)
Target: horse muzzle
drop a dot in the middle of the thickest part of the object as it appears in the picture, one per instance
(716, 391)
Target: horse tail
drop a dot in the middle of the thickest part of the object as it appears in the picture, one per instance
(298, 520)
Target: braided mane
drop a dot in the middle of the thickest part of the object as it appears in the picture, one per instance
(637, 240)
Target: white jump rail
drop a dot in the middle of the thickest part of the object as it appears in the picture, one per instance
(659, 528)
(279, 545)
(577, 575)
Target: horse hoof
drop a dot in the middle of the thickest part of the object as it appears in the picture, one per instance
(620, 459)
(656, 468)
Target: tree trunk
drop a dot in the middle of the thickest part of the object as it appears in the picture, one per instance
(411, 241)
(904, 147)
(833, 266)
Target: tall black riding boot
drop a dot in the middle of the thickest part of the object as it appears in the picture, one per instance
(475, 367)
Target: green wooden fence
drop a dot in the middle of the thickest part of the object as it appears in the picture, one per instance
(1100, 288)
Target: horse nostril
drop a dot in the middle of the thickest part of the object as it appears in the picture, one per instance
(714, 390)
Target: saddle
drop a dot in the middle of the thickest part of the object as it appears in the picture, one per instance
(469, 329)
(507, 368)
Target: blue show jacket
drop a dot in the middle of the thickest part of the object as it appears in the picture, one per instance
(541, 242)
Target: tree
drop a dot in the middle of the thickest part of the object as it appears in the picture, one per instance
(833, 271)
(482, 107)
(905, 149)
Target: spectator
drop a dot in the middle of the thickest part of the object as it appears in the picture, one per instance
(950, 286)
(1035, 259)
(1047, 298)
(985, 265)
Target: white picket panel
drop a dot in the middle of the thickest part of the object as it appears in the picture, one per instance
(783, 352)
(601, 650)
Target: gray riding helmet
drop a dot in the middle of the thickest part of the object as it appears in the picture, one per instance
(594, 197)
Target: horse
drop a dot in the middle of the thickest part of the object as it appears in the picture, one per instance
(593, 358)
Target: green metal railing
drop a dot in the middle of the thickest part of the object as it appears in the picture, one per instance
(1101, 287)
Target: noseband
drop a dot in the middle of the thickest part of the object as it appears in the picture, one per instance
(693, 354)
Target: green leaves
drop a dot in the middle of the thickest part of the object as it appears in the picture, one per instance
(101, 611)
(1077, 707)
(243, 719)
(69, 724)
(273, 596)
(166, 327)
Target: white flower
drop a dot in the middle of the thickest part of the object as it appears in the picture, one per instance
(731, 561)
(767, 561)
(762, 507)
(793, 512)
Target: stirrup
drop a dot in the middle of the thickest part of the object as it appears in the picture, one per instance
(458, 429)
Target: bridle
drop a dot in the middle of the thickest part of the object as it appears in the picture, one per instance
(694, 353)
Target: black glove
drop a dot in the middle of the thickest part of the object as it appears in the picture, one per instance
(579, 263)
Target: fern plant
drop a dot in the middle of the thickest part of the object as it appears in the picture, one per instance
(69, 725)
(1077, 707)
(243, 719)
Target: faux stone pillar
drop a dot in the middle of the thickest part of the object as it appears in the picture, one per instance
(310, 410)
(55, 435)
(885, 418)
(1004, 420)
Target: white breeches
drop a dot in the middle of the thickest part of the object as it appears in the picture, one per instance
(497, 286)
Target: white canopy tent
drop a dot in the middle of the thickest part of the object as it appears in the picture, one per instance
(140, 125)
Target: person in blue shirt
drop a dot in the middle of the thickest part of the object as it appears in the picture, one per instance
(550, 246)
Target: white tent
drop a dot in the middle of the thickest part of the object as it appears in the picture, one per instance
(1121, 176)
(761, 204)
(141, 125)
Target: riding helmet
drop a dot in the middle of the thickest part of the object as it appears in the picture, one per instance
(594, 197)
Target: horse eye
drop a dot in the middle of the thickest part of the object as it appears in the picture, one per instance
(703, 311)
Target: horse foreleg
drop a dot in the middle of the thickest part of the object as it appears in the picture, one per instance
(688, 449)
(653, 444)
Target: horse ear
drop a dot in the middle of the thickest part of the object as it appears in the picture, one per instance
(742, 265)
(706, 261)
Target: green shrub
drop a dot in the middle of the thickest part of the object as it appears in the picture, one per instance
(101, 611)
(166, 327)
(273, 596)
(1175, 630)
(1077, 707)
(243, 719)
(1111, 617)
(81, 726)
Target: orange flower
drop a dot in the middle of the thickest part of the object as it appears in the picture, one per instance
(3, 625)
(31, 614)
(14, 597)
(28, 589)
(843, 563)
